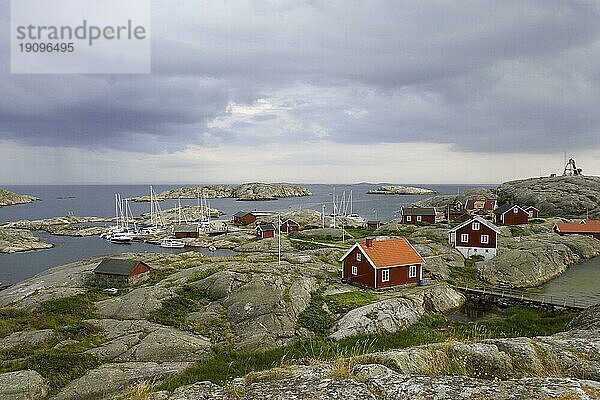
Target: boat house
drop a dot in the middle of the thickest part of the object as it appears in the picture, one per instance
(417, 215)
(181, 231)
(118, 271)
(265, 231)
(382, 263)
(475, 237)
(243, 218)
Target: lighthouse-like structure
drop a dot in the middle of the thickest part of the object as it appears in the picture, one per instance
(571, 169)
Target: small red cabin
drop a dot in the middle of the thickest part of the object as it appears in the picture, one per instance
(120, 271)
(289, 226)
(243, 218)
(382, 263)
(417, 215)
(456, 215)
(531, 211)
(265, 231)
(182, 231)
(510, 215)
(373, 224)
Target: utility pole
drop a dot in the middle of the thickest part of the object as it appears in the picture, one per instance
(323, 217)
(279, 239)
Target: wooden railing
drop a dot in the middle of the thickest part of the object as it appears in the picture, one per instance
(521, 296)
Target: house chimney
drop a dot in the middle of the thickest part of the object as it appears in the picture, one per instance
(369, 242)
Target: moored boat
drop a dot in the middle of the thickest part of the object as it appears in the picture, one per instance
(172, 243)
(121, 238)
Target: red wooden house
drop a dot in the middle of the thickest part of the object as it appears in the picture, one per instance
(289, 226)
(382, 263)
(181, 231)
(417, 215)
(588, 228)
(475, 237)
(481, 206)
(373, 225)
(510, 215)
(265, 231)
(531, 211)
(456, 215)
(243, 218)
(120, 271)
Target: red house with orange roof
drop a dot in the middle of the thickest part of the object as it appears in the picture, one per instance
(382, 263)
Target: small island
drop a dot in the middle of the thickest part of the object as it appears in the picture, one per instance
(401, 190)
(9, 198)
(246, 191)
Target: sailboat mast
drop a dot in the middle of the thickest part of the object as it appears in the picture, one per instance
(117, 210)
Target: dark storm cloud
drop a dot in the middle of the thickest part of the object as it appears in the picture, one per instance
(488, 76)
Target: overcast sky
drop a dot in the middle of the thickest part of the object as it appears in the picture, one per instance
(320, 91)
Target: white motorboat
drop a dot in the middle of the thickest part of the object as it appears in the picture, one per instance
(357, 218)
(172, 243)
(121, 238)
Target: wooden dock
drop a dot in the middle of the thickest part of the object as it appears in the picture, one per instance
(513, 297)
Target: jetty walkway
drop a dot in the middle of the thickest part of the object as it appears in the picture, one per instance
(513, 297)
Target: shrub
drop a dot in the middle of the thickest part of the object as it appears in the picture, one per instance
(198, 276)
(341, 303)
(314, 317)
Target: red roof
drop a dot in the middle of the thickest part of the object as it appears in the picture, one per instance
(391, 252)
(570, 227)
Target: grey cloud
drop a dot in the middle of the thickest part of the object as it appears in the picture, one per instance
(485, 76)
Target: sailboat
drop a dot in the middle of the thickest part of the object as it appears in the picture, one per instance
(157, 223)
(121, 233)
(355, 217)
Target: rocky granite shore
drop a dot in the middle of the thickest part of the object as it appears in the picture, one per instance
(560, 196)
(562, 366)
(246, 191)
(17, 240)
(9, 198)
(401, 190)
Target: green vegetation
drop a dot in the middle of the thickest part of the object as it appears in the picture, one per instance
(227, 363)
(174, 310)
(198, 276)
(516, 231)
(302, 245)
(58, 364)
(341, 303)
(465, 275)
(314, 317)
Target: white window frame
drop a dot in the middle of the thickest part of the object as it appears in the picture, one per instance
(408, 218)
(475, 226)
(464, 237)
(419, 218)
(358, 257)
(412, 271)
(487, 239)
(354, 270)
(385, 275)
(515, 210)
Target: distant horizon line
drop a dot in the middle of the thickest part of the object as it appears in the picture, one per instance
(242, 183)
